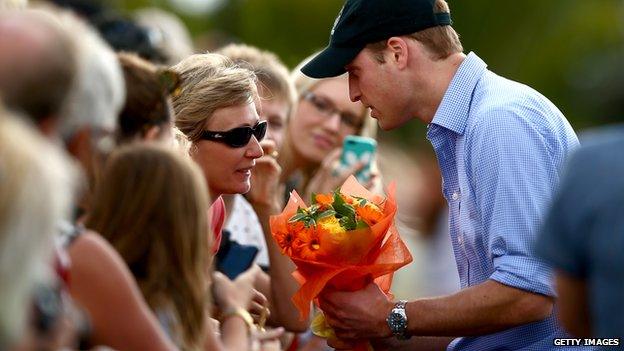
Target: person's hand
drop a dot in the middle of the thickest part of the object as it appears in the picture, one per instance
(359, 314)
(266, 340)
(264, 194)
(258, 308)
(375, 183)
(328, 177)
(239, 292)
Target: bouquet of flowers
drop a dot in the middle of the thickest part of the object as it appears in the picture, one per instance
(343, 240)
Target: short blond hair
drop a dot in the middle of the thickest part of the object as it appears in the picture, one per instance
(440, 41)
(209, 82)
(271, 72)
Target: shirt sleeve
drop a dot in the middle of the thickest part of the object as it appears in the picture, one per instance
(563, 238)
(512, 172)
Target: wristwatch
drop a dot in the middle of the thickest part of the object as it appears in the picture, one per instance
(397, 321)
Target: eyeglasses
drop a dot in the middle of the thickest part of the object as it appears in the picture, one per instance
(325, 107)
(237, 137)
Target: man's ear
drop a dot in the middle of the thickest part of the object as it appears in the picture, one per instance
(398, 48)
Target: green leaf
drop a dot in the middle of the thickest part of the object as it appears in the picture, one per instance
(361, 225)
(324, 214)
(313, 209)
(343, 208)
(297, 217)
(309, 222)
(347, 223)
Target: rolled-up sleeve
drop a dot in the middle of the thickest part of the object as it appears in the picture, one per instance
(513, 176)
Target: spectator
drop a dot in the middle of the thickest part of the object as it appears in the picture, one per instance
(248, 216)
(323, 118)
(100, 283)
(28, 84)
(583, 238)
(36, 185)
(172, 38)
(159, 226)
(147, 113)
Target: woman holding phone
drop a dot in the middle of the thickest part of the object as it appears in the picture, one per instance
(325, 115)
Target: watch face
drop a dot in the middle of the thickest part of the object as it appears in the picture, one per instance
(396, 322)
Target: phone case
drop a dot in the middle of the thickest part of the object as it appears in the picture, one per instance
(358, 149)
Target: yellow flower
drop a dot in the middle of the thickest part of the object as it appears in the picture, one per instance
(330, 225)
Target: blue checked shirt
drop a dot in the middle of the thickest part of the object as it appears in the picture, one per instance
(500, 146)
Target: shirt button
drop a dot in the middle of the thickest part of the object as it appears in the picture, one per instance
(455, 196)
(460, 239)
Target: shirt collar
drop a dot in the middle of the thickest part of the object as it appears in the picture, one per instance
(453, 110)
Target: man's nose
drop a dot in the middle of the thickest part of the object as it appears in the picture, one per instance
(354, 90)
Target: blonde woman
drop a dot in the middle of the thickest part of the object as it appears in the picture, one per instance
(159, 226)
(217, 109)
(324, 116)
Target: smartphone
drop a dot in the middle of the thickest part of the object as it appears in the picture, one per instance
(358, 149)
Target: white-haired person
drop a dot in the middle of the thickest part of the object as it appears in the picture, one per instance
(84, 120)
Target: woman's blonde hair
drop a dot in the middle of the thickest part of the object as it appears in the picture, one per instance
(152, 206)
(272, 74)
(209, 82)
(304, 84)
(36, 192)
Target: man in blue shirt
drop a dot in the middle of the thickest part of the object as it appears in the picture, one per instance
(500, 145)
(583, 238)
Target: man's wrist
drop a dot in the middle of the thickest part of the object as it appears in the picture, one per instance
(397, 320)
(386, 331)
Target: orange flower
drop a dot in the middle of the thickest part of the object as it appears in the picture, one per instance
(308, 244)
(369, 213)
(295, 227)
(285, 240)
(325, 200)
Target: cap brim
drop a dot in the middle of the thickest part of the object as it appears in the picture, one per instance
(330, 62)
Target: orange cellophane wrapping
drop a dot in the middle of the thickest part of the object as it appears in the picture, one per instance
(353, 259)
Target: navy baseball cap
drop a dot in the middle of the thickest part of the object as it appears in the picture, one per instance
(361, 22)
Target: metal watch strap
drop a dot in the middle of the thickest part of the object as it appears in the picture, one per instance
(400, 305)
(397, 320)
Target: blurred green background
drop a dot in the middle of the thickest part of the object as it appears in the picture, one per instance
(572, 51)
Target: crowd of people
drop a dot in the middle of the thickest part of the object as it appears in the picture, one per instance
(138, 179)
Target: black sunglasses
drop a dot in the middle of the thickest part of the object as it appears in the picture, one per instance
(237, 137)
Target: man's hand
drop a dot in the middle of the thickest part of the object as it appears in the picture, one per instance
(357, 315)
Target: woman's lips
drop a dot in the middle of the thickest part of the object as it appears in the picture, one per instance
(323, 142)
(245, 172)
